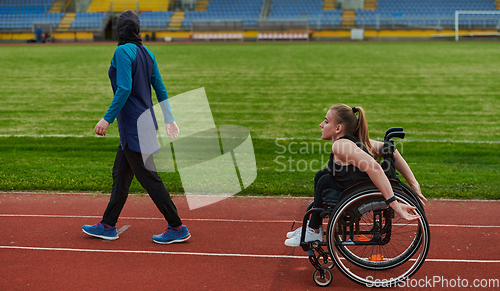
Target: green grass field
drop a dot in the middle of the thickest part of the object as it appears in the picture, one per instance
(445, 95)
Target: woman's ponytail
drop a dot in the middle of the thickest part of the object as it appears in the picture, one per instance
(361, 131)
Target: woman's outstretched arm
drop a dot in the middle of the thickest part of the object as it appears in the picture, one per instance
(350, 154)
(403, 168)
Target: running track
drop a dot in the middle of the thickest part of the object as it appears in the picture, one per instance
(236, 244)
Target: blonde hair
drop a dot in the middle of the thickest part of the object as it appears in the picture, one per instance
(354, 126)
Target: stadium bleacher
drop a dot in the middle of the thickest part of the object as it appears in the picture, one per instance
(246, 10)
(99, 6)
(312, 10)
(425, 13)
(158, 19)
(89, 19)
(228, 19)
(24, 6)
(153, 13)
(154, 5)
(115, 5)
(23, 14)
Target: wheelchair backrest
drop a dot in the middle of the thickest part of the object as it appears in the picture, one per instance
(389, 164)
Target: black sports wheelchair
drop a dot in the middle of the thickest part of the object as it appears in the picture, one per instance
(366, 240)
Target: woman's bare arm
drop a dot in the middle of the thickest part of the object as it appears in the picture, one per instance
(350, 154)
(403, 168)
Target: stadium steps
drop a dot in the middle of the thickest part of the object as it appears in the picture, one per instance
(99, 6)
(66, 22)
(201, 5)
(329, 4)
(370, 5)
(498, 4)
(266, 8)
(176, 20)
(57, 6)
(348, 19)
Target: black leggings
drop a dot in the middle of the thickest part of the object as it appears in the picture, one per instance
(127, 164)
(323, 181)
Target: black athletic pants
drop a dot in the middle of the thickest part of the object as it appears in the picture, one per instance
(324, 184)
(127, 164)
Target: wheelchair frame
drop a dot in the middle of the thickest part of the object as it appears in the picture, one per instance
(343, 216)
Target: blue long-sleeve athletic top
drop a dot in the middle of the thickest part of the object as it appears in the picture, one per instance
(132, 72)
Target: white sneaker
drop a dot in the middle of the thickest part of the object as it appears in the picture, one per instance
(310, 236)
(291, 234)
(298, 231)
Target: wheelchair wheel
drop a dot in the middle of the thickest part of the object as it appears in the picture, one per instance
(371, 244)
(324, 280)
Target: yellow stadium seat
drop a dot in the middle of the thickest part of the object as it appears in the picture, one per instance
(134, 5)
(154, 5)
(123, 5)
(99, 6)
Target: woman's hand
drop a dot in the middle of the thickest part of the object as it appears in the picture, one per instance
(172, 130)
(415, 187)
(404, 210)
(101, 126)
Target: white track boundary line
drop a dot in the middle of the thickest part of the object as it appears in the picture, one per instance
(216, 220)
(154, 252)
(461, 261)
(257, 137)
(211, 254)
(180, 194)
(231, 197)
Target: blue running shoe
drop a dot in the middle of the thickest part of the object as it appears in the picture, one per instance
(171, 236)
(99, 231)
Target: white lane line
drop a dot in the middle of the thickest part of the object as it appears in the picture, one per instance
(233, 197)
(465, 225)
(152, 252)
(122, 229)
(217, 220)
(462, 261)
(212, 254)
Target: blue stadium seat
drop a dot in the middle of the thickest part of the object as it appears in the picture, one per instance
(155, 18)
(426, 12)
(312, 10)
(25, 13)
(88, 20)
(246, 10)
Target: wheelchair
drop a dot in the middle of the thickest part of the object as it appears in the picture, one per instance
(365, 239)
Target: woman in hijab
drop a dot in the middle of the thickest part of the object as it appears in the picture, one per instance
(132, 72)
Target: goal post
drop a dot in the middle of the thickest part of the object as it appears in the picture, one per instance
(472, 12)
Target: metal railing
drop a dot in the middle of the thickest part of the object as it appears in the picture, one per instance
(427, 22)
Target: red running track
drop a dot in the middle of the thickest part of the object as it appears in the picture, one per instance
(236, 244)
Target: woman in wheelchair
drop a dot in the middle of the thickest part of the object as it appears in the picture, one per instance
(354, 159)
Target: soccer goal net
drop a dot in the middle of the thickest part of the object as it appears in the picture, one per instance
(465, 21)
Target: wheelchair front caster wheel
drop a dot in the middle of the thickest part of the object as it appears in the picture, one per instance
(323, 278)
(329, 262)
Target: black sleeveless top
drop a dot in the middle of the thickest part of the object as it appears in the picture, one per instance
(348, 175)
